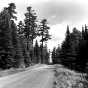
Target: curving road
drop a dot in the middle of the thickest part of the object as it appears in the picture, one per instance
(40, 77)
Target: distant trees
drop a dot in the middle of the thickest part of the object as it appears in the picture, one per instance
(56, 55)
(37, 53)
(45, 55)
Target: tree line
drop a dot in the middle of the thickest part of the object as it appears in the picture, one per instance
(17, 40)
(73, 53)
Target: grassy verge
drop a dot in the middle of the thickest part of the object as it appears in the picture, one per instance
(65, 78)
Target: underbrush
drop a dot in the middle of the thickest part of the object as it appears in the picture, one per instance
(65, 78)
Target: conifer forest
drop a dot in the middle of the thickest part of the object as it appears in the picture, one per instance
(17, 46)
(18, 49)
(25, 58)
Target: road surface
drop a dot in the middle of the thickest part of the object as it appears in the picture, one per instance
(40, 77)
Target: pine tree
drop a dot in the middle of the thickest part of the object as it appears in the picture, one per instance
(66, 48)
(75, 39)
(83, 51)
(56, 55)
(30, 30)
(17, 44)
(7, 49)
(70, 48)
(44, 33)
(20, 31)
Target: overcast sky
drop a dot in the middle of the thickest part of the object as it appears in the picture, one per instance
(59, 14)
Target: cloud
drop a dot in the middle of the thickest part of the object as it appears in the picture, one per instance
(56, 11)
(59, 12)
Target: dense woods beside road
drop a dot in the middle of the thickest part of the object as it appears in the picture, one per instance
(24, 43)
(16, 46)
(73, 52)
(18, 49)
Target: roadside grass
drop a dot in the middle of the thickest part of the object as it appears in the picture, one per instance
(10, 71)
(16, 70)
(65, 78)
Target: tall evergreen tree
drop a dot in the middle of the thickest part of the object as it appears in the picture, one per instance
(17, 44)
(30, 30)
(66, 48)
(75, 39)
(83, 51)
(20, 31)
(44, 33)
(7, 50)
(70, 48)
